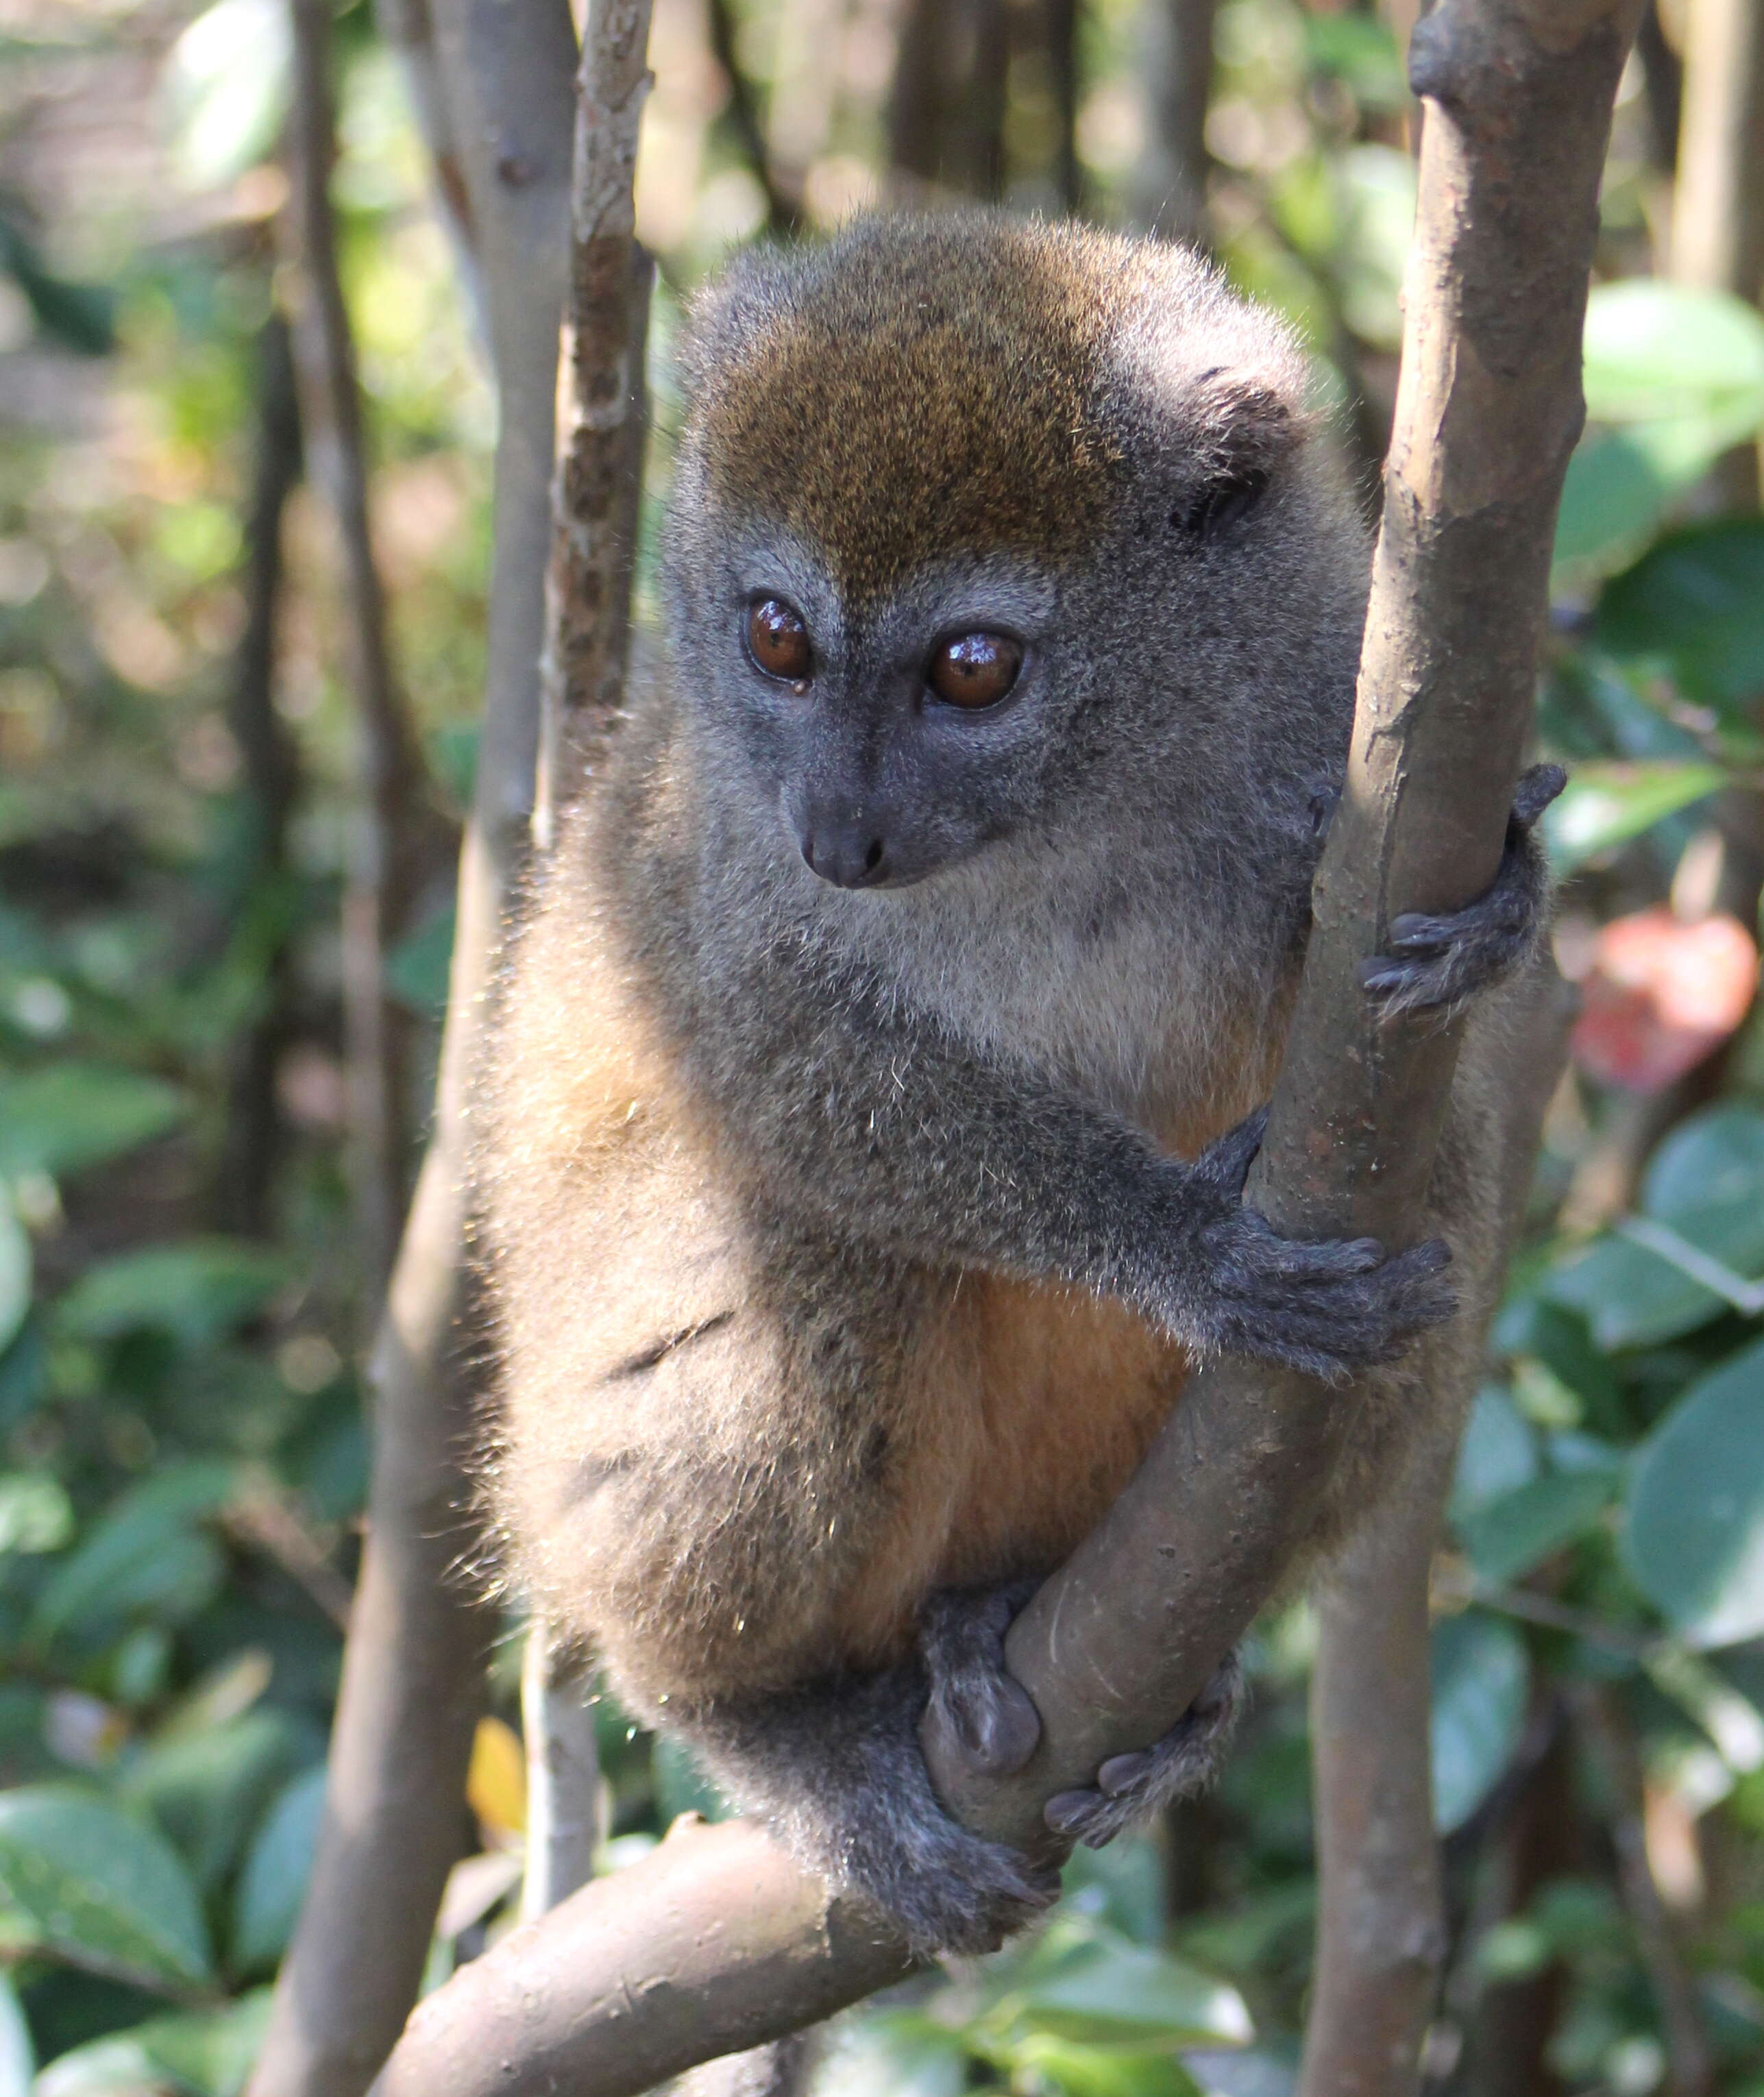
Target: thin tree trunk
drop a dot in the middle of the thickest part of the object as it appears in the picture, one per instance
(413, 1673)
(1717, 211)
(1381, 1924)
(384, 836)
(1170, 190)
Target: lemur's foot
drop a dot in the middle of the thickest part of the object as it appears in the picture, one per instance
(837, 1771)
(1128, 1788)
(974, 1702)
(1437, 961)
(1327, 1306)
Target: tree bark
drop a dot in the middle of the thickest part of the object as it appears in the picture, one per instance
(719, 1942)
(1171, 185)
(1380, 1930)
(413, 1673)
(601, 413)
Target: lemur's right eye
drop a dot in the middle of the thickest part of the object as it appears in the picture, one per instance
(777, 641)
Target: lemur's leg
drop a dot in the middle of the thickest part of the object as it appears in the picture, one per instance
(1130, 1787)
(1441, 960)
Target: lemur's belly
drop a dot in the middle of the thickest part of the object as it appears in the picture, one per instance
(1038, 1403)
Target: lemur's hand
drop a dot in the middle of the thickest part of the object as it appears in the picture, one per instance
(1328, 1307)
(1437, 961)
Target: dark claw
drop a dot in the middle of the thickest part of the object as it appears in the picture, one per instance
(974, 1702)
(1132, 1786)
(1121, 1772)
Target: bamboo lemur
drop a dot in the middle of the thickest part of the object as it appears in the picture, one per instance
(874, 1090)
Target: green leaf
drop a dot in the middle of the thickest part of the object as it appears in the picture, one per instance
(1105, 1990)
(100, 1887)
(1655, 350)
(1695, 1537)
(272, 1885)
(1481, 1675)
(144, 1556)
(1711, 1162)
(1498, 1455)
(1122, 1883)
(36, 1514)
(1631, 1297)
(72, 1115)
(227, 85)
(15, 1271)
(1697, 601)
(417, 968)
(1510, 1535)
(1604, 806)
(897, 2053)
(1075, 2070)
(205, 2053)
(18, 2060)
(204, 1790)
(195, 1291)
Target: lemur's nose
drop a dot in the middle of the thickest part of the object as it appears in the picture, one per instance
(849, 854)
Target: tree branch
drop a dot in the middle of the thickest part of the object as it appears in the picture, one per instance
(718, 1942)
(412, 1673)
(601, 413)
(1381, 1930)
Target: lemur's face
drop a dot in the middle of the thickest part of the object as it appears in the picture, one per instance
(955, 542)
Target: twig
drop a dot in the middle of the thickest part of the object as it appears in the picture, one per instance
(383, 847)
(601, 414)
(270, 768)
(562, 1778)
(413, 1674)
(718, 1941)
(265, 1521)
(783, 208)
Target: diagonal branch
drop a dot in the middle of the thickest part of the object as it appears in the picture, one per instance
(718, 1942)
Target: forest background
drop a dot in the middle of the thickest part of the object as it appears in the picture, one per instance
(228, 818)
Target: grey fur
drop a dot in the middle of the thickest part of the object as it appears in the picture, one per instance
(758, 1153)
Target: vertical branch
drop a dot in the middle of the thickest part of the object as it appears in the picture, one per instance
(1717, 242)
(381, 866)
(1062, 16)
(267, 754)
(1605, 1724)
(1170, 187)
(783, 205)
(563, 1778)
(413, 1670)
(596, 496)
(600, 413)
(1381, 1922)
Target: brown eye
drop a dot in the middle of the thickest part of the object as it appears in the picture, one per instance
(975, 669)
(777, 641)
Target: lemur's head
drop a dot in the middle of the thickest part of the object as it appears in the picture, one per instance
(982, 529)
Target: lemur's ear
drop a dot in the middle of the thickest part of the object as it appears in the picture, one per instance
(1243, 427)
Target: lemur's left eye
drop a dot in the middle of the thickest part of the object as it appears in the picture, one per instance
(975, 669)
(777, 640)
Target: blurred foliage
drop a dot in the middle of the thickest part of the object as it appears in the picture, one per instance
(182, 1447)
